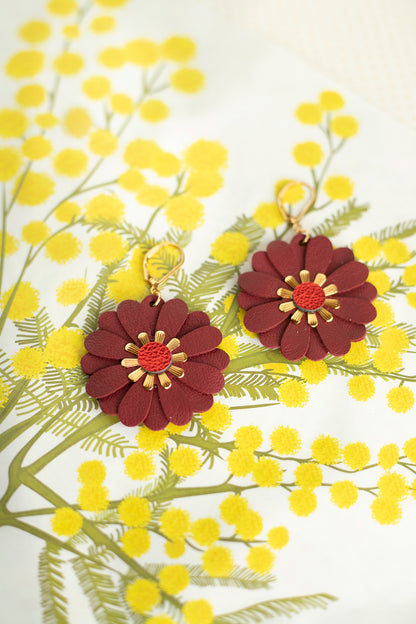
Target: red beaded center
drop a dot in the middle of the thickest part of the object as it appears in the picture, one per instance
(154, 357)
(309, 297)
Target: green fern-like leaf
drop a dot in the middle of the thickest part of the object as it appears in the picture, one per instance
(400, 230)
(341, 219)
(34, 331)
(101, 592)
(255, 385)
(240, 577)
(52, 585)
(108, 444)
(279, 607)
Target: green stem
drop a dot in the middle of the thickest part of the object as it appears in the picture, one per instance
(13, 398)
(230, 317)
(12, 295)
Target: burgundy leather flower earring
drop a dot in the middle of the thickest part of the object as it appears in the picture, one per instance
(306, 297)
(154, 362)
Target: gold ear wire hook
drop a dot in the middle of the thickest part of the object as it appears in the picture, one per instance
(295, 221)
(154, 283)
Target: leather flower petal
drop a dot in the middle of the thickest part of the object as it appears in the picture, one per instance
(264, 317)
(318, 254)
(295, 340)
(128, 315)
(348, 276)
(105, 344)
(200, 341)
(218, 358)
(283, 258)
(194, 320)
(171, 318)
(135, 405)
(156, 419)
(260, 284)
(175, 405)
(106, 381)
(109, 321)
(202, 377)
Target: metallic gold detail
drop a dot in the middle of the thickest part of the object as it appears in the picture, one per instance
(312, 320)
(320, 278)
(331, 289)
(291, 281)
(159, 336)
(297, 316)
(175, 370)
(154, 283)
(132, 348)
(285, 293)
(292, 219)
(286, 306)
(327, 316)
(135, 375)
(144, 338)
(149, 382)
(332, 303)
(179, 357)
(129, 362)
(173, 344)
(305, 276)
(164, 380)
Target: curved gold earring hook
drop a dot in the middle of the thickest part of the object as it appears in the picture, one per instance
(295, 220)
(153, 282)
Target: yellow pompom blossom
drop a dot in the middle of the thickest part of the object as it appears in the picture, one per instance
(104, 207)
(394, 338)
(308, 475)
(385, 314)
(387, 361)
(92, 471)
(62, 8)
(153, 110)
(77, 122)
(65, 347)
(68, 64)
(135, 511)
(187, 80)
(36, 148)
(71, 31)
(153, 196)
(393, 485)
(111, 4)
(308, 154)
(358, 354)
(70, 162)
(185, 461)
(260, 559)
(152, 441)
(102, 24)
(29, 363)
(204, 183)
(131, 180)
(93, 497)
(267, 472)
(31, 96)
(230, 345)
(230, 248)
(249, 437)
(66, 521)
(135, 542)
(248, 525)
(113, 58)
(175, 548)
(366, 248)
(218, 561)
(121, 103)
(356, 455)
(72, 291)
(330, 101)
(293, 393)
(125, 284)
(401, 399)
(175, 523)
(25, 302)
(142, 595)
(166, 165)
(185, 212)
(4, 392)
(140, 466)
(107, 247)
(409, 449)
(67, 212)
(380, 280)
(46, 120)
(313, 372)
(205, 531)
(240, 462)
(198, 612)
(309, 113)
(278, 537)
(388, 456)
(395, 251)
(35, 31)
(63, 247)
(285, 440)
(276, 369)
(10, 162)
(344, 126)
(232, 507)
(25, 64)
(206, 155)
(386, 510)
(142, 52)
(293, 194)
(35, 189)
(343, 494)
(302, 502)
(173, 579)
(361, 387)
(409, 275)
(13, 123)
(326, 450)
(411, 299)
(178, 49)
(11, 244)
(268, 215)
(103, 143)
(141, 153)
(35, 232)
(217, 418)
(338, 187)
(96, 87)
